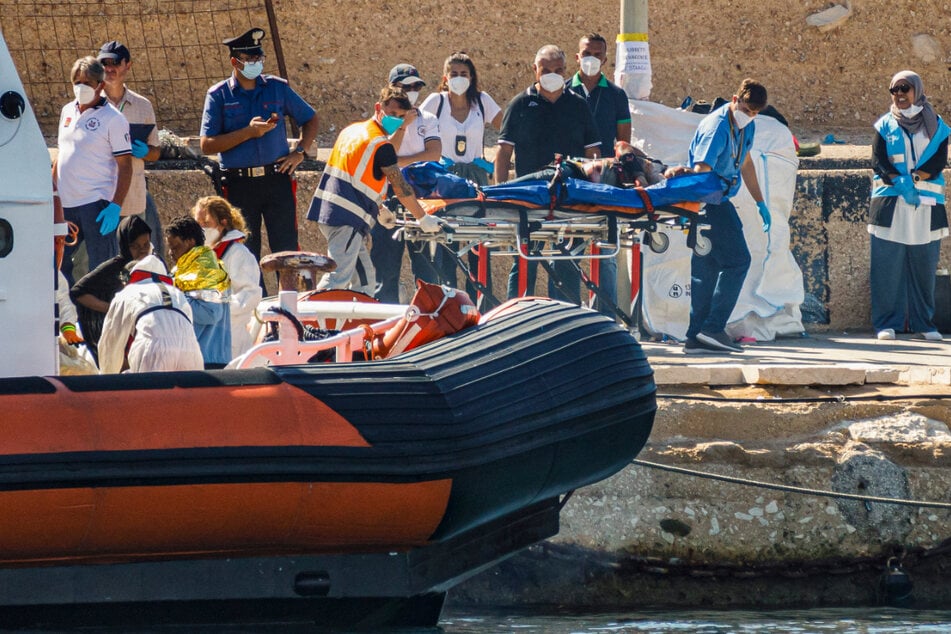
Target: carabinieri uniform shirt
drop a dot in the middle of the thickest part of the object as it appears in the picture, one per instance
(228, 107)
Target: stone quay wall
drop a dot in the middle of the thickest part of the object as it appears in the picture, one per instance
(648, 538)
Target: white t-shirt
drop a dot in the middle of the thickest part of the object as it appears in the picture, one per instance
(86, 169)
(424, 128)
(473, 128)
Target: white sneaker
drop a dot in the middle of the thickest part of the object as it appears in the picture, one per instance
(932, 335)
(887, 334)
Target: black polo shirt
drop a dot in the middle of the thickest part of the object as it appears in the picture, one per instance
(539, 129)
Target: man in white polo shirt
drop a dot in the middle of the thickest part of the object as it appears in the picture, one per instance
(93, 167)
(138, 110)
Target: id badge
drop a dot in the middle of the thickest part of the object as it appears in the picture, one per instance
(460, 145)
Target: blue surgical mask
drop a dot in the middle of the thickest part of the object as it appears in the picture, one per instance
(251, 70)
(390, 123)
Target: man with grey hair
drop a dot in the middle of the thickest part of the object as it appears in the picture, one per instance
(93, 167)
(540, 122)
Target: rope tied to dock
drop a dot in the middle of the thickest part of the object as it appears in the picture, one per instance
(789, 488)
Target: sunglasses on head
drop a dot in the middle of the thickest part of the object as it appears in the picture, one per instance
(900, 88)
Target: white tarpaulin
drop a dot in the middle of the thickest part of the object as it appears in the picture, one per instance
(773, 291)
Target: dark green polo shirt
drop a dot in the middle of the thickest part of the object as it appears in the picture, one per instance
(610, 107)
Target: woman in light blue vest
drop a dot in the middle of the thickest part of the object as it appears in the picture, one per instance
(907, 217)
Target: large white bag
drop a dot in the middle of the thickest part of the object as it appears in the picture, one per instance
(769, 302)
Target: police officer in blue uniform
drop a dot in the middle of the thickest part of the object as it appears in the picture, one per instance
(244, 121)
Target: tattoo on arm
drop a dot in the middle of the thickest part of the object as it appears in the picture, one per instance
(395, 176)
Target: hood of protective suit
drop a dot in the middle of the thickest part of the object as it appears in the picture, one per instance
(152, 264)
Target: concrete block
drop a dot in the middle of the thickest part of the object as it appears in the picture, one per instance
(681, 375)
(698, 375)
(727, 375)
(926, 375)
(803, 375)
(884, 374)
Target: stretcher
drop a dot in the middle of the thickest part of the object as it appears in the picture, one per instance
(559, 219)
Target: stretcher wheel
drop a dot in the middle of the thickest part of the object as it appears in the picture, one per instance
(703, 246)
(658, 241)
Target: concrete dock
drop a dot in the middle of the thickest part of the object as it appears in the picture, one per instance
(812, 359)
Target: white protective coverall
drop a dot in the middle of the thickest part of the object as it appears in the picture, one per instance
(164, 340)
(242, 268)
(67, 310)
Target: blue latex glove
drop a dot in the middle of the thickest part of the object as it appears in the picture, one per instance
(484, 164)
(906, 189)
(108, 219)
(139, 149)
(764, 214)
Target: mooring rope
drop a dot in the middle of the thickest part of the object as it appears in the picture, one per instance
(839, 398)
(789, 488)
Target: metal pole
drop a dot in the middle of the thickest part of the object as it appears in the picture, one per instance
(633, 69)
(278, 51)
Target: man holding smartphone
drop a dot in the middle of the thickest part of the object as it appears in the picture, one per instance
(244, 120)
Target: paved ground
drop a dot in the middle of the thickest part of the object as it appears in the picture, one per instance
(826, 359)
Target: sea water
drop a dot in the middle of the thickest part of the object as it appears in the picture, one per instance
(824, 621)
(484, 621)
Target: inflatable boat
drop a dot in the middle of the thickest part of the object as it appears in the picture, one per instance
(437, 462)
(340, 492)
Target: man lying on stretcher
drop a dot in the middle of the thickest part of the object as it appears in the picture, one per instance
(630, 167)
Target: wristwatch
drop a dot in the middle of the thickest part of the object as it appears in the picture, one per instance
(300, 150)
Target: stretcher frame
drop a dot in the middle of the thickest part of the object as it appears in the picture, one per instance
(531, 233)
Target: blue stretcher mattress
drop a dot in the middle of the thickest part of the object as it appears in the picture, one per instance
(431, 180)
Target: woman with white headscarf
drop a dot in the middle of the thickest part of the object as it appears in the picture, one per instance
(907, 216)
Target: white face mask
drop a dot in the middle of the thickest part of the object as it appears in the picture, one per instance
(552, 82)
(910, 111)
(84, 94)
(412, 95)
(212, 235)
(458, 85)
(742, 119)
(251, 70)
(590, 65)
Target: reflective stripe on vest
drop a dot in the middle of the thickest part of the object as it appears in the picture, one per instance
(894, 137)
(348, 186)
